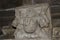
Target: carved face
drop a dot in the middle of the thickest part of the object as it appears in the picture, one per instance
(29, 25)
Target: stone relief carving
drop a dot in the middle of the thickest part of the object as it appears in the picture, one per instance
(56, 32)
(33, 22)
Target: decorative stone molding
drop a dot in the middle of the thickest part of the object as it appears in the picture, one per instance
(33, 22)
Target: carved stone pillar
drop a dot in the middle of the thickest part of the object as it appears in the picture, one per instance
(33, 22)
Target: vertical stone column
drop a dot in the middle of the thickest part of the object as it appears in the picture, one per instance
(33, 22)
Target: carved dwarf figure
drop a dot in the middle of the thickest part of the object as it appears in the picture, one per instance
(33, 22)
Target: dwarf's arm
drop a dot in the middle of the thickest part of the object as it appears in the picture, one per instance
(15, 21)
(44, 19)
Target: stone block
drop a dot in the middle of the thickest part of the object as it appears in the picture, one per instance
(56, 32)
(33, 22)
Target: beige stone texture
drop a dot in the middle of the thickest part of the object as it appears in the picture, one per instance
(33, 22)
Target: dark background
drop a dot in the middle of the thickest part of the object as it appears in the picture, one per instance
(4, 4)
